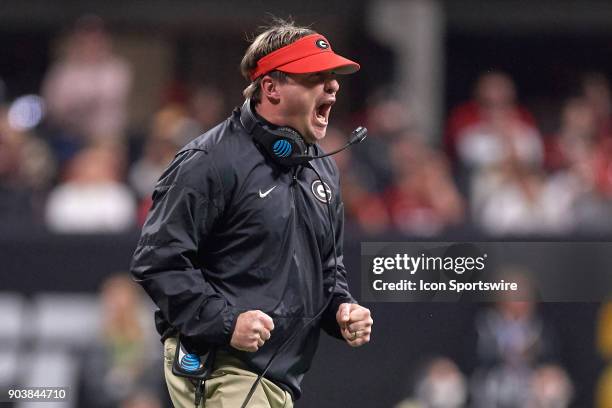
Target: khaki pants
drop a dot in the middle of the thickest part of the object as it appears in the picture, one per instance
(228, 386)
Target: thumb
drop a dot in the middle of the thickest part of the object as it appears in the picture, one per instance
(345, 309)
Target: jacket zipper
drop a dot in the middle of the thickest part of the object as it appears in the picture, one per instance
(294, 182)
(294, 178)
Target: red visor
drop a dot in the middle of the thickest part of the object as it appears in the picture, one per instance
(312, 53)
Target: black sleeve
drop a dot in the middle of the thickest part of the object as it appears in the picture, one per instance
(187, 201)
(341, 291)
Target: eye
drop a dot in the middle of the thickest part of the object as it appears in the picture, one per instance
(317, 76)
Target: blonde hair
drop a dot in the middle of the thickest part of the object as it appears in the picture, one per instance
(277, 35)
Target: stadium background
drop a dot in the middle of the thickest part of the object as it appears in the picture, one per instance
(176, 71)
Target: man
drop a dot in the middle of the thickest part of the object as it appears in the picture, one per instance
(238, 250)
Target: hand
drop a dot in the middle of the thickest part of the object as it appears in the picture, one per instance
(252, 330)
(355, 323)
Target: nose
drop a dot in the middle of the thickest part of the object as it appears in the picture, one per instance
(331, 85)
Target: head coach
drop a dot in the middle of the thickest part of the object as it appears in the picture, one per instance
(242, 248)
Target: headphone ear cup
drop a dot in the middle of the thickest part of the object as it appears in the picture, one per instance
(299, 146)
(282, 148)
(281, 144)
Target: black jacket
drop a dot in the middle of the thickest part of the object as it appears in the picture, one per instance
(230, 231)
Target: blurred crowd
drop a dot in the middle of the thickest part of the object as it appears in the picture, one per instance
(604, 345)
(518, 362)
(69, 160)
(495, 171)
(122, 366)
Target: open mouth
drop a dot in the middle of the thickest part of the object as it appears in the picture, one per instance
(322, 113)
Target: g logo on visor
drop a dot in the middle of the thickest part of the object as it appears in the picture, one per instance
(321, 43)
(319, 191)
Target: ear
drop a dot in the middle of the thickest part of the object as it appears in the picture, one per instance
(270, 89)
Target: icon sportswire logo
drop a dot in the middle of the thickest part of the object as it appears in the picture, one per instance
(265, 193)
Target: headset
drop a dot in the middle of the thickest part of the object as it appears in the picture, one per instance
(286, 147)
(283, 144)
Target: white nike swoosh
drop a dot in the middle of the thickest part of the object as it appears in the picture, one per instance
(264, 194)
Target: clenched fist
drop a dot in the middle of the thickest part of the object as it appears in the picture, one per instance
(355, 323)
(252, 330)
